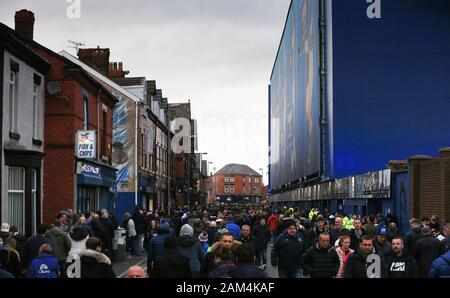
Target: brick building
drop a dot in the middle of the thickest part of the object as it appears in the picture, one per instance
(429, 187)
(236, 182)
(74, 101)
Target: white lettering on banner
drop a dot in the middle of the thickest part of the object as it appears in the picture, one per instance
(90, 169)
(374, 269)
(74, 269)
(374, 9)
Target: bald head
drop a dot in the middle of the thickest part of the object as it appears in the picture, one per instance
(136, 272)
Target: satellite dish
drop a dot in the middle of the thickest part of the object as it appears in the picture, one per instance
(54, 88)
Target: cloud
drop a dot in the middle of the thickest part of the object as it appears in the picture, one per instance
(218, 53)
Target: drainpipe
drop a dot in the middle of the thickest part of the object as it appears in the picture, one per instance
(136, 177)
(2, 65)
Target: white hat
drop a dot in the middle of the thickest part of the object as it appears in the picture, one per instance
(213, 224)
(5, 227)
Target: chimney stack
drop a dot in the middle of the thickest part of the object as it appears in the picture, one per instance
(97, 58)
(24, 23)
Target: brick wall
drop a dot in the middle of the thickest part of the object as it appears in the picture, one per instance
(429, 186)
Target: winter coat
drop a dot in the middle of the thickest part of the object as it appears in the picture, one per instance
(131, 229)
(60, 243)
(335, 234)
(234, 229)
(139, 222)
(191, 248)
(382, 249)
(314, 236)
(343, 256)
(211, 235)
(222, 269)
(356, 266)
(370, 229)
(10, 262)
(95, 264)
(156, 245)
(31, 249)
(252, 241)
(321, 262)
(247, 270)
(354, 238)
(20, 244)
(262, 235)
(411, 238)
(43, 266)
(171, 264)
(440, 267)
(445, 244)
(78, 238)
(287, 252)
(403, 266)
(273, 223)
(426, 251)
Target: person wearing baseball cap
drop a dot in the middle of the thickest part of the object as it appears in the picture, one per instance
(4, 232)
(382, 247)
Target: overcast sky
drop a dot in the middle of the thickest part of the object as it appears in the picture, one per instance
(217, 53)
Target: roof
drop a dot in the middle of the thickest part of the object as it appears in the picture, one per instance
(14, 43)
(237, 169)
(132, 81)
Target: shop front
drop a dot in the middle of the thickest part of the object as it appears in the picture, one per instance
(95, 186)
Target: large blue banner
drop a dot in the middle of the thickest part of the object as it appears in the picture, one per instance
(294, 98)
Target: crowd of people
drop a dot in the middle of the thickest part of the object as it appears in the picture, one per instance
(231, 241)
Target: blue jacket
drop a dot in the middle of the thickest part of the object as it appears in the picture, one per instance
(156, 245)
(234, 229)
(440, 267)
(43, 266)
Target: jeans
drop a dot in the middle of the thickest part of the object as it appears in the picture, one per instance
(137, 249)
(273, 238)
(296, 273)
(262, 258)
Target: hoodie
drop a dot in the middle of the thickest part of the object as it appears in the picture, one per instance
(60, 243)
(156, 245)
(191, 248)
(403, 266)
(171, 264)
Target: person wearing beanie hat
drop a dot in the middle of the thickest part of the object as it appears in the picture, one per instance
(190, 247)
(171, 263)
(186, 229)
(382, 247)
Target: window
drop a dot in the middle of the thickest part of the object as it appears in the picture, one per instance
(243, 179)
(104, 140)
(231, 189)
(86, 109)
(13, 100)
(255, 189)
(36, 103)
(256, 180)
(226, 189)
(34, 199)
(232, 179)
(16, 198)
(226, 179)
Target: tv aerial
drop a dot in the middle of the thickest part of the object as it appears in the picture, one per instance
(75, 44)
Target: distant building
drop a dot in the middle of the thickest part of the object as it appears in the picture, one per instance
(235, 183)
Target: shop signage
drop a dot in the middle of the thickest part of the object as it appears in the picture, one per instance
(85, 144)
(87, 169)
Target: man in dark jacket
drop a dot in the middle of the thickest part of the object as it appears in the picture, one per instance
(156, 245)
(315, 233)
(321, 260)
(399, 264)
(357, 264)
(338, 231)
(246, 268)
(139, 225)
(413, 235)
(171, 264)
(262, 235)
(32, 245)
(211, 230)
(190, 247)
(287, 252)
(426, 251)
(356, 234)
(392, 232)
(95, 264)
(248, 238)
(382, 247)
